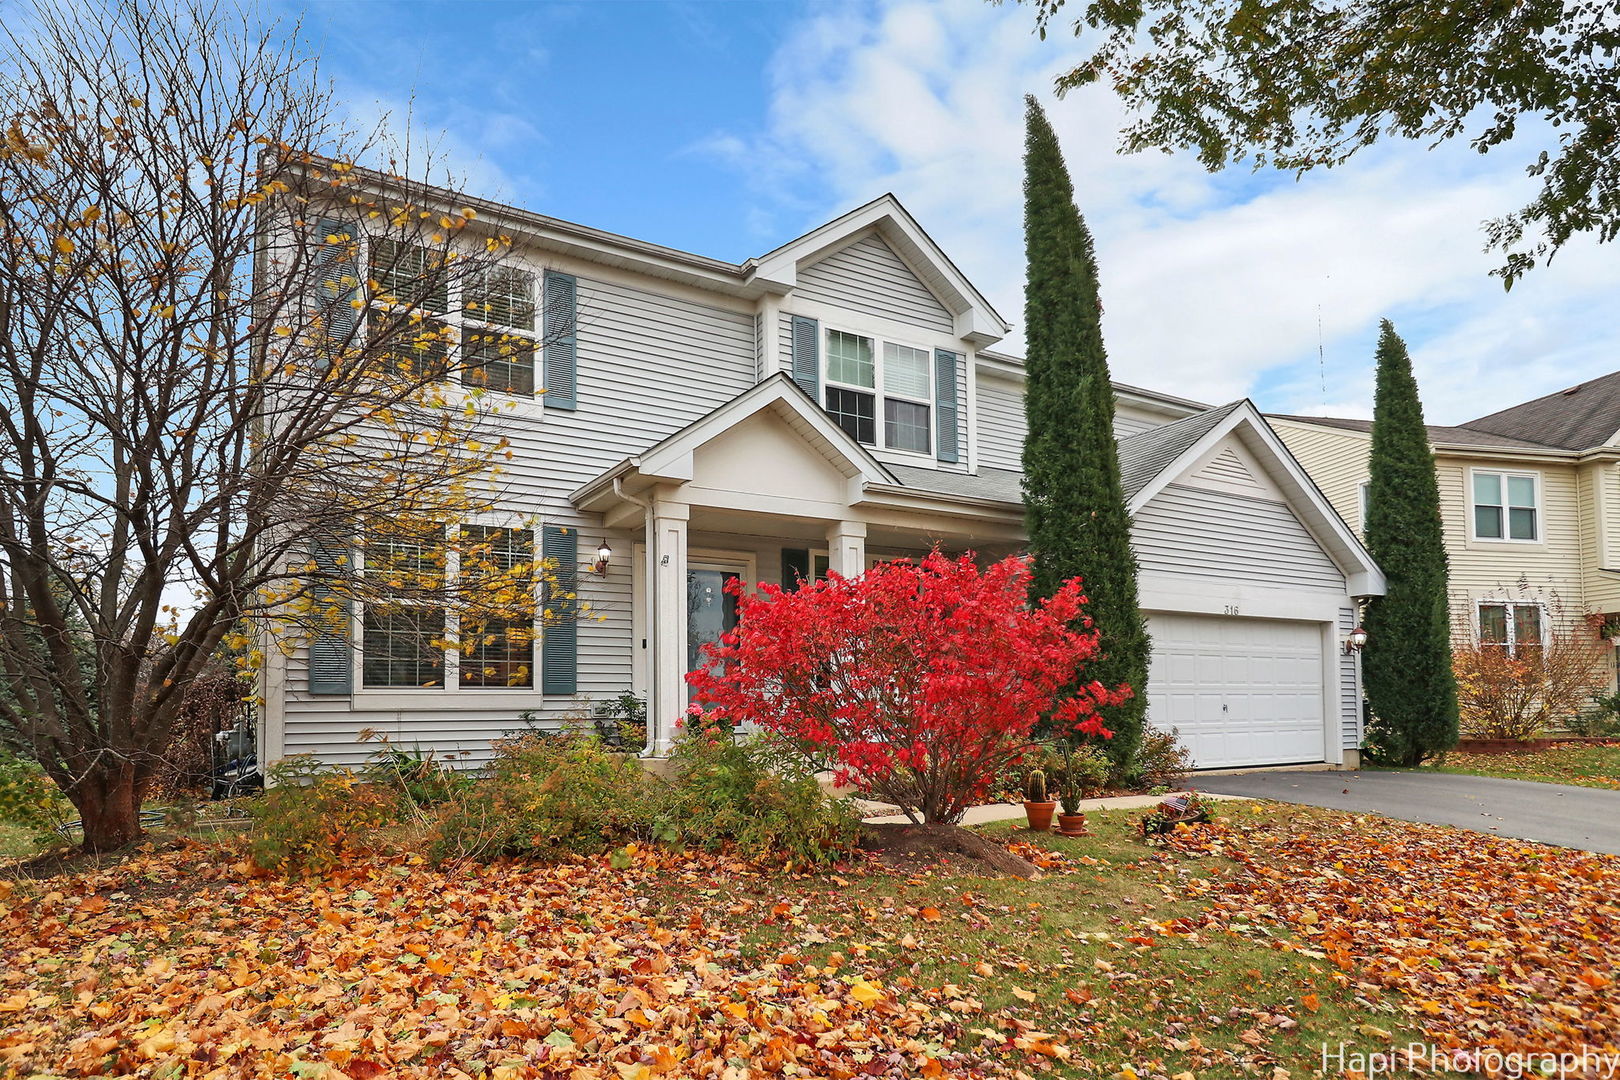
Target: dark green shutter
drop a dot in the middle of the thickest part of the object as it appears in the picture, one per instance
(947, 410)
(335, 269)
(807, 355)
(331, 654)
(562, 340)
(559, 636)
(795, 567)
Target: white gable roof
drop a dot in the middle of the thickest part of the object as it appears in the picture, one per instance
(975, 318)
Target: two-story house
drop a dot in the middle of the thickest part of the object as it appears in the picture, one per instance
(826, 405)
(1530, 496)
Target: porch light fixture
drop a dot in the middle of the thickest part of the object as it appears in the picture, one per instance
(604, 555)
(1355, 642)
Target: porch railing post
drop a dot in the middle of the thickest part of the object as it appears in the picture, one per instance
(667, 549)
(846, 547)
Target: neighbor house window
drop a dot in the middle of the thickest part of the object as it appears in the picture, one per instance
(880, 389)
(1506, 506)
(1514, 628)
(491, 316)
(403, 627)
(497, 649)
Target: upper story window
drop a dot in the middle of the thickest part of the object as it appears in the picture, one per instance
(1506, 506)
(1514, 628)
(882, 387)
(490, 317)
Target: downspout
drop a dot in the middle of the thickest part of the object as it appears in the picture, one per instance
(652, 599)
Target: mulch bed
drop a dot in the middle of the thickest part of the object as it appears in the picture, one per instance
(918, 847)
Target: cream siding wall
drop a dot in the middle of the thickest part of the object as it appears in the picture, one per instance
(1550, 570)
(1600, 534)
(1335, 459)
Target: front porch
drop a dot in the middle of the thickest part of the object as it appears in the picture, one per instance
(767, 490)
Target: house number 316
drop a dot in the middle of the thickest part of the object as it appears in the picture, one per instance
(1231, 609)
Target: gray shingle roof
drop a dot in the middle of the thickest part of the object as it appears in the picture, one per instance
(1141, 457)
(1146, 454)
(1438, 433)
(1001, 485)
(1582, 417)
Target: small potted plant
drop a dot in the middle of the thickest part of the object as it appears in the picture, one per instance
(1038, 808)
(1071, 822)
(1182, 808)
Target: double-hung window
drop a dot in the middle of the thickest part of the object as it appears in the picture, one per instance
(1506, 506)
(497, 631)
(881, 392)
(425, 315)
(1516, 629)
(403, 624)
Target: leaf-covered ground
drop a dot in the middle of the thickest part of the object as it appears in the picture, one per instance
(1569, 763)
(1236, 951)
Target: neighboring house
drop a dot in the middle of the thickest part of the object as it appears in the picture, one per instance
(1531, 501)
(831, 404)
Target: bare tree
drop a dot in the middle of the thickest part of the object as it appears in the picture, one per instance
(222, 343)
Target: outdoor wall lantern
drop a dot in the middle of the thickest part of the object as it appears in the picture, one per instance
(604, 555)
(1355, 642)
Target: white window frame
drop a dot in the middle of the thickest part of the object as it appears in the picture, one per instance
(1366, 503)
(455, 316)
(1513, 608)
(492, 696)
(879, 393)
(1503, 474)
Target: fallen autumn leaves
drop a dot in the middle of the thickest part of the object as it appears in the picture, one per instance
(184, 963)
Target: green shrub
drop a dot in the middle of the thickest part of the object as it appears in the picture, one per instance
(750, 796)
(1160, 762)
(418, 779)
(314, 819)
(1601, 721)
(548, 796)
(29, 798)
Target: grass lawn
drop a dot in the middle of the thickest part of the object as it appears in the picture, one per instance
(1236, 950)
(1584, 766)
(16, 841)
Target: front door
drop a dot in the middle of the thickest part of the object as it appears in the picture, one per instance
(710, 610)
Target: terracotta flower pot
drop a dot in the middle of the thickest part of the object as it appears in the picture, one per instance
(1072, 824)
(1040, 815)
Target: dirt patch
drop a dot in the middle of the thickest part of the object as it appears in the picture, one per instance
(918, 847)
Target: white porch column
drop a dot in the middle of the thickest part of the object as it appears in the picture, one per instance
(846, 548)
(666, 550)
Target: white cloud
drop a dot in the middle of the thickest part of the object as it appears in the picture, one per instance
(1214, 286)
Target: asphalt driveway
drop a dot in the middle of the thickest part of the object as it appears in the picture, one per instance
(1575, 817)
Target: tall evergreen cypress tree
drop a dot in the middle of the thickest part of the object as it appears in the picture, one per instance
(1073, 498)
(1407, 662)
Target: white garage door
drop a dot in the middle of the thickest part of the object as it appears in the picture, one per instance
(1239, 691)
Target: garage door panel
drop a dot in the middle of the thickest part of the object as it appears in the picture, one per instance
(1239, 691)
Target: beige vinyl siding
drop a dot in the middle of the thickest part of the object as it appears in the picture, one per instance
(649, 364)
(1335, 459)
(868, 277)
(1229, 537)
(1600, 530)
(1479, 569)
(1548, 570)
(1129, 421)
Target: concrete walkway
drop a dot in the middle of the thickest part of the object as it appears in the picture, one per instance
(884, 814)
(1574, 817)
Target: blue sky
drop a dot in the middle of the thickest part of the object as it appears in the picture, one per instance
(727, 127)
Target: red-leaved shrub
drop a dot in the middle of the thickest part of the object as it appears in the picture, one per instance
(918, 681)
